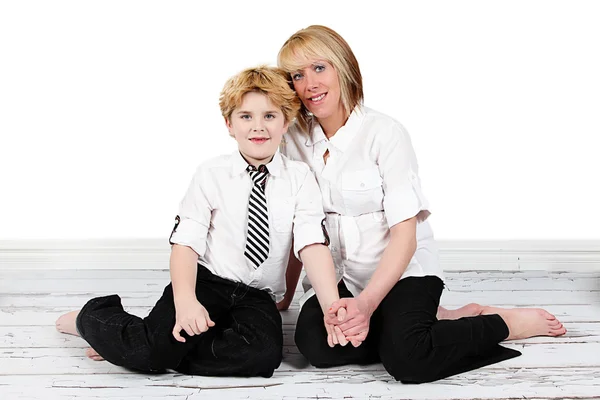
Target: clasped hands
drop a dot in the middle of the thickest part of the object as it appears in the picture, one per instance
(347, 321)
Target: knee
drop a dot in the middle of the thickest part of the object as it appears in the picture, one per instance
(272, 355)
(313, 345)
(410, 369)
(267, 359)
(265, 351)
(410, 362)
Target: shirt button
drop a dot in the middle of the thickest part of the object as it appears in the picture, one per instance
(334, 248)
(362, 185)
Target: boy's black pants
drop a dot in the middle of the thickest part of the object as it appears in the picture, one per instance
(247, 339)
(405, 335)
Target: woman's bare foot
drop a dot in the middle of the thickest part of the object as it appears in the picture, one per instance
(66, 323)
(524, 323)
(470, 310)
(91, 353)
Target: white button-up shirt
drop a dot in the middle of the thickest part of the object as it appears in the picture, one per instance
(214, 218)
(369, 183)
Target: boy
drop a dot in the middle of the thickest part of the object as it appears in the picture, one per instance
(231, 244)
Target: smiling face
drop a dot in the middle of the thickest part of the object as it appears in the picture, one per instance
(318, 87)
(258, 126)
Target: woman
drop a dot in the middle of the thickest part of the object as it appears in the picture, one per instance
(386, 259)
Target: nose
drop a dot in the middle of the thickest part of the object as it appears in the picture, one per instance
(258, 126)
(311, 81)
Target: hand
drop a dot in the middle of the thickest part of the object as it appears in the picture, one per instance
(285, 303)
(192, 317)
(355, 326)
(334, 333)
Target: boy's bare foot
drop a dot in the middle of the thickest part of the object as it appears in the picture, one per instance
(91, 353)
(524, 323)
(66, 323)
(470, 310)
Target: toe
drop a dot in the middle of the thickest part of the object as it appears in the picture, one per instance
(558, 332)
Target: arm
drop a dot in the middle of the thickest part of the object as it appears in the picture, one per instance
(309, 247)
(394, 261)
(321, 273)
(292, 274)
(183, 269)
(190, 315)
(189, 242)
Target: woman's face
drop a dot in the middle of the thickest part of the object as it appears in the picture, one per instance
(318, 86)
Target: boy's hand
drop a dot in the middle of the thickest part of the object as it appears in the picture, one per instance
(191, 317)
(355, 325)
(334, 333)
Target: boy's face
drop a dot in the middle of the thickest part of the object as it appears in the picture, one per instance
(257, 125)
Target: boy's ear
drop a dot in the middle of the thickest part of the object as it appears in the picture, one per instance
(229, 127)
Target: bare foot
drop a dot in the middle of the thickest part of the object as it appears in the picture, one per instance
(524, 323)
(91, 353)
(66, 323)
(470, 310)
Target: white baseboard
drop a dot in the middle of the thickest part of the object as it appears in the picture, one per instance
(513, 255)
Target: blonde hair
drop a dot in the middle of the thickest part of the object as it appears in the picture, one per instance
(323, 43)
(270, 81)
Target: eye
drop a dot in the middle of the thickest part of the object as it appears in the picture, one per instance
(245, 116)
(296, 76)
(269, 116)
(319, 68)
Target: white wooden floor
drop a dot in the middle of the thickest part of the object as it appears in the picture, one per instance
(37, 362)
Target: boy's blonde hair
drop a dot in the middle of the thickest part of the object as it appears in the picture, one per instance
(270, 81)
(323, 43)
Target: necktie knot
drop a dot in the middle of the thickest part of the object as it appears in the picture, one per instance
(258, 175)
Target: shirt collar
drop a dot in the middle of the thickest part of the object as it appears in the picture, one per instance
(343, 137)
(317, 135)
(239, 165)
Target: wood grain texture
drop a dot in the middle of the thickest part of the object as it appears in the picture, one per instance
(37, 362)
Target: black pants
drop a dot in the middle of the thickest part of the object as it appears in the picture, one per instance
(405, 335)
(247, 339)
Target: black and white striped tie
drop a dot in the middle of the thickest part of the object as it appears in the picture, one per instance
(257, 240)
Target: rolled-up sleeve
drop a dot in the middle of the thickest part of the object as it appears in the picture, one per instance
(308, 215)
(194, 216)
(403, 197)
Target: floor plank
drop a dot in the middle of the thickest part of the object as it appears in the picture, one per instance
(484, 383)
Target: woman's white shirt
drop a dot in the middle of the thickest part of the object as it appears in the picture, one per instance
(369, 183)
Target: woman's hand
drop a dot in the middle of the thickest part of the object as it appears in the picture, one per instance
(192, 317)
(355, 325)
(285, 303)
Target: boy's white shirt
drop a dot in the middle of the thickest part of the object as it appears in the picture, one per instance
(369, 183)
(214, 216)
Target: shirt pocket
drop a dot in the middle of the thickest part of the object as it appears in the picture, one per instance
(282, 214)
(362, 191)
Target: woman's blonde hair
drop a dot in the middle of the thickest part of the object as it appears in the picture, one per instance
(323, 43)
(270, 81)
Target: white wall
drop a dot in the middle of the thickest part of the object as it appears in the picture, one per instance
(107, 107)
